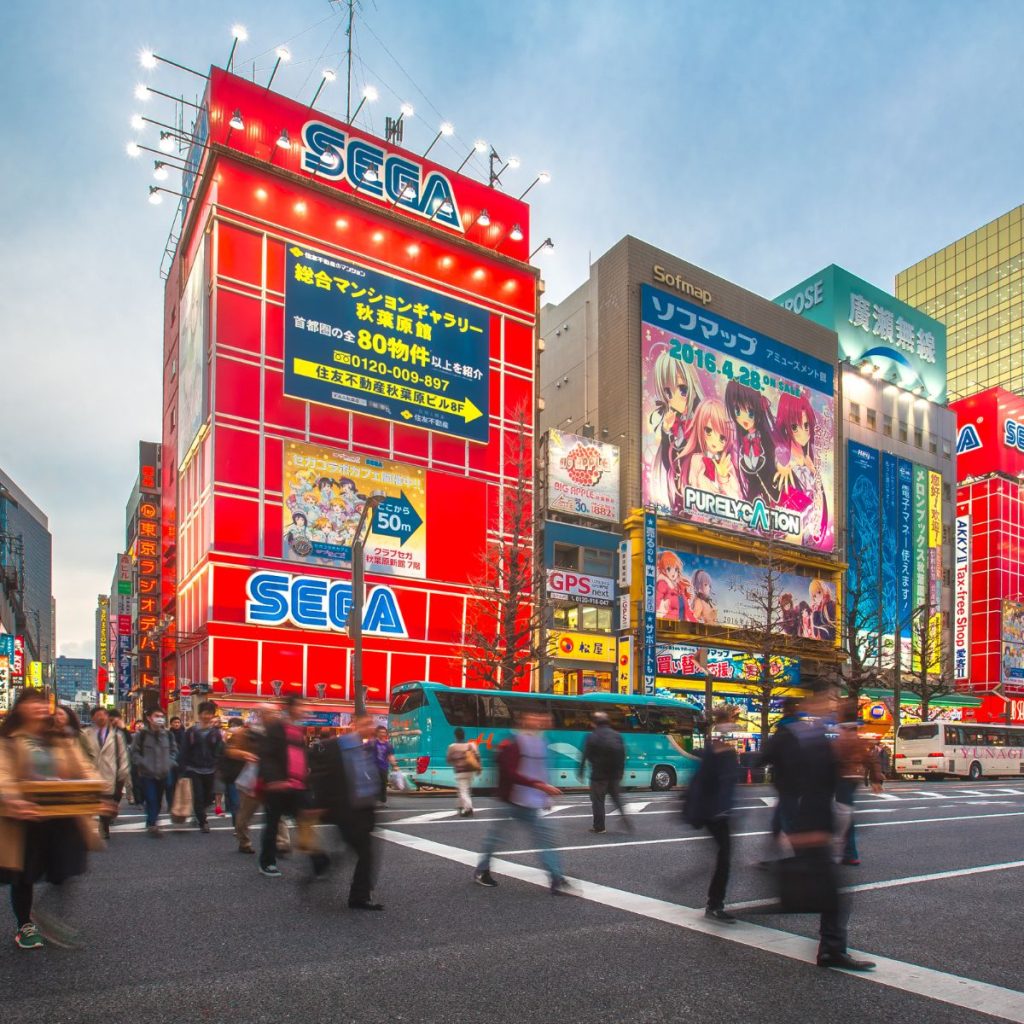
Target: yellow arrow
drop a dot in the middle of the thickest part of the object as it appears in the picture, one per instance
(355, 381)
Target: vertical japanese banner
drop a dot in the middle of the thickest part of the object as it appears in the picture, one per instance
(650, 622)
(890, 546)
(905, 552)
(935, 569)
(962, 600)
(625, 674)
(863, 554)
(920, 549)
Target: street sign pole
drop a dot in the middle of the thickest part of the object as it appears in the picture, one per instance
(355, 615)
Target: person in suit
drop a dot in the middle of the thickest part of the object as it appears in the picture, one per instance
(109, 753)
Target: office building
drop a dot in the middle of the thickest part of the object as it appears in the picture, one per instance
(71, 676)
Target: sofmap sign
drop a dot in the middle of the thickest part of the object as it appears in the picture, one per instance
(875, 327)
(316, 602)
(367, 342)
(738, 428)
(583, 477)
(589, 589)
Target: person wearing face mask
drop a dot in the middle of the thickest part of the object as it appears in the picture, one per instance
(153, 756)
(710, 800)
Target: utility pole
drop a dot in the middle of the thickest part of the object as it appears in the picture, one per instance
(348, 88)
(355, 615)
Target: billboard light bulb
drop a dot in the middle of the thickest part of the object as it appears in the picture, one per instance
(138, 122)
(370, 175)
(240, 32)
(447, 128)
(142, 92)
(513, 162)
(283, 141)
(484, 220)
(370, 94)
(408, 110)
(132, 149)
(154, 195)
(237, 122)
(167, 142)
(160, 170)
(329, 157)
(480, 146)
(329, 74)
(516, 234)
(544, 177)
(147, 59)
(282, 53)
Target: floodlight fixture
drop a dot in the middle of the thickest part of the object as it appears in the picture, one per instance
(446, 128)
(543, 178)
(370, 95)
(327, 75)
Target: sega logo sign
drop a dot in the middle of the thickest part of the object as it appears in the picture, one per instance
(572, 584)
(328, 153)
(315, 602)
(1013, 435)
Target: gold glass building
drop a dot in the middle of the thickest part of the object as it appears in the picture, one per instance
(974, 286)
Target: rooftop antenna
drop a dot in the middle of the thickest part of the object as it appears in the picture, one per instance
(348, 90)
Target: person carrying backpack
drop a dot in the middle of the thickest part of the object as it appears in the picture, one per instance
(522, 784)
(153, 756)
(465, 759)
(200, 753)
(606, 753)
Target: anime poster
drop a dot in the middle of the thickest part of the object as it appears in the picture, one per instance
(1013, 622)
(739, 429)
(688, 661)
(699, 588)
(324, 494)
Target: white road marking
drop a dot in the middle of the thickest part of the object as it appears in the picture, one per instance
(637, 808)
(894, 883)
(977, 996)
(429, 816)
(887, 796)
(555, 808)
(770, 801)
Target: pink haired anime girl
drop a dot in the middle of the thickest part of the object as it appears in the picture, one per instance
(708, 460)
(795, 423)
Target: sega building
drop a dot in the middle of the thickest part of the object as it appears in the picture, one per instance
(988, 559)
(340, 322)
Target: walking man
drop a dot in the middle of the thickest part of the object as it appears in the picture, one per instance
(523, 784)
(465, 760)
(153, 755)
(109, 754)
(200, 753)
(284, 773)
(385, 754)
(606, 754)
(856, 759)
(177, 734)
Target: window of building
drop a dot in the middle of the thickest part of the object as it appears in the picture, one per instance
(567, 556)
(947, 492)
(872, 417)
(886, 424)
(594, 618)
(903, 432)
(566, 616)
(598, 562)
(933, 448)
(855, 412)
(947, 450)
(918, 438)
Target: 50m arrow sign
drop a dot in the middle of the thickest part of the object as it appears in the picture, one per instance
(396, 517)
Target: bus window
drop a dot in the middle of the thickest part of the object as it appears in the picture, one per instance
(975, 737)
(495, 713)
(408, 701)
(951, 735)
(924, 731)
(995, 738)
(459, 708)
(569, 715)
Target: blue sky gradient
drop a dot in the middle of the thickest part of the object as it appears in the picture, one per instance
(761, 141)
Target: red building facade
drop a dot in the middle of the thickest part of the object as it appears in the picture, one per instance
(325, 341)
(989, 552)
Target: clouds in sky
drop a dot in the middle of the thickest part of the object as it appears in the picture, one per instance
(762, 141)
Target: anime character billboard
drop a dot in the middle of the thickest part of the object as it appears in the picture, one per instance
(739, 429)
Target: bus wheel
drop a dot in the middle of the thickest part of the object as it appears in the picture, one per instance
(663, 778)
(974, 772)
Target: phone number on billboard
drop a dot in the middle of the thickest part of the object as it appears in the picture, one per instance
(402, 373)
(708, 361)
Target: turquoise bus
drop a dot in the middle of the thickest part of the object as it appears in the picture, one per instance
(658, 732)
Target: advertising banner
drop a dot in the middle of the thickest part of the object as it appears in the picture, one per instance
(889, 546)
(921, 571)
(566, 646)
(5, 682)
(700, 588)
(650, 609)
(863, 512)
(688, 661)
(583, 477)
(363, 341)
(35, 674)
(905, 550)
(565, 585)
(18, 661)
(124, 667)
(625, 674)
(739, 429)
(1013, 617)
(1013, 664)
(934, 509)
(962, 601)
(7, 646)
(193, 375)
(325, 491)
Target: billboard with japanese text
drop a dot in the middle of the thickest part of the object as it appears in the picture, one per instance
(699, 588)
(325, 491)
(739, 429)
(193, 376)
(583, 477)
(367, 342)
(688, 661)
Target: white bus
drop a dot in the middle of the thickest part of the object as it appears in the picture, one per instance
(969, 750)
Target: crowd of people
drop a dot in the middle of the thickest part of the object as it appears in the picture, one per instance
(46, 758)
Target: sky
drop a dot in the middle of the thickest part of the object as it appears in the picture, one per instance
(761, 141)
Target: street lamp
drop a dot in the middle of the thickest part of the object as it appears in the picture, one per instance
(355, 615)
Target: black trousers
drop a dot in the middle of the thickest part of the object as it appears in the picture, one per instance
(356, 830)
(202, 795)
(286, 803)
(599, 789)
(719, 829)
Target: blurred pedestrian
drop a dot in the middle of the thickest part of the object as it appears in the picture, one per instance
(112, 760)
(66, 722)
(812, 760)
(228, 770)
(132, 788)
(465, 761)
(385, 757)
(153, 756)
(856, 757)
(200, 752)
(35, 847)
(884, 760)
(606, 754)
(344, 783)
(775, 755)
(710, 800)
(284, 777)
(176, 731)
(523, 774)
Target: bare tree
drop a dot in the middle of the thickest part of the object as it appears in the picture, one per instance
(763, 631)
(932, 672)
(861, 618)
(503, 624)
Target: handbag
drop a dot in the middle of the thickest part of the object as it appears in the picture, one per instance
(398, 781)
(181, 806)
(472, 758)
(807, 882)
(248, 779)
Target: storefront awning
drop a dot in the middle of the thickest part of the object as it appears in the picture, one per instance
(946, 700)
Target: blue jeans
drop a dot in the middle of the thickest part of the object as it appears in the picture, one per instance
(540, 829)
(153, 793)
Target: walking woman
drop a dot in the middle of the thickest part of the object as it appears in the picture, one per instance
(709, 804)
(34, 848)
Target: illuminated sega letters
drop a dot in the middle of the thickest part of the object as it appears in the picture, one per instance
(328, 153)
(316, 602)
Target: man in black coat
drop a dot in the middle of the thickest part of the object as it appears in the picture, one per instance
(345, 784)
(606, 753)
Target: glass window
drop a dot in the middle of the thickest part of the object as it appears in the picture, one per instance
(567, 616)
(567, 556)
(951, 736)
(887, 424)
(871, 417)
(408, 701)
(925, 731)
(918, 438)
(933, 448)
(855, 412)
(494, 712)
(598, 562)
(996, 737)
(460, 708)
(903, 432)
(575, 715)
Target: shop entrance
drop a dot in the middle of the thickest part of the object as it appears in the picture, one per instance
(573, 682)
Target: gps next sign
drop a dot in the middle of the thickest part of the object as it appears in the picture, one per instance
(875, 327)
(367, 342)
(990, 434)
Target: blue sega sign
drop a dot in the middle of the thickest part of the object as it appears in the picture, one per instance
(370, 343)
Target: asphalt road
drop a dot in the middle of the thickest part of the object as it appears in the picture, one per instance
(186, 929)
